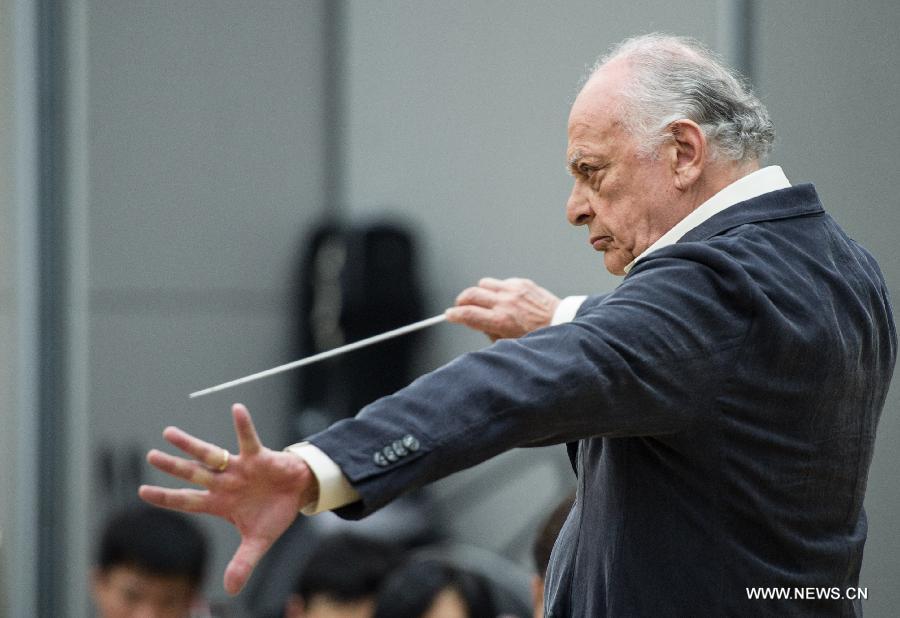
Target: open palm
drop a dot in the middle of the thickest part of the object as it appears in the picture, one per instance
(260, 491)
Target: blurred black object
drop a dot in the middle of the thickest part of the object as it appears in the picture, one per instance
(356, 280)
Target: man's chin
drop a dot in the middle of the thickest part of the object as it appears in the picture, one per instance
(614, 263)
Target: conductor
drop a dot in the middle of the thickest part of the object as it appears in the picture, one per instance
(719, 405)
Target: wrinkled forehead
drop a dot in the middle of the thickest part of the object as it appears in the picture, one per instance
(595, 125)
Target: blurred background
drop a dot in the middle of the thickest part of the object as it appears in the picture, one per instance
(195, 191)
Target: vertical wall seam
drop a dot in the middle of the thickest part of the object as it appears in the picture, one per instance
(333, 151)
(736, 35)
(77, 484)
(22, 583)
(52, 301)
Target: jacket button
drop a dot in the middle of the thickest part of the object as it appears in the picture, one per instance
(390, 454)
(399, 448)
(410, 443)
(380, 459)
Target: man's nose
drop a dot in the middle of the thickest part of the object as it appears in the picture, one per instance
(578, 209)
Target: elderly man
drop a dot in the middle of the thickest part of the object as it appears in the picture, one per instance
(719, 405)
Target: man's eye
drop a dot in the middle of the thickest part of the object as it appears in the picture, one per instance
(586, 170)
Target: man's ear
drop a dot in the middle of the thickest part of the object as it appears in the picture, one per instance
(689, 151)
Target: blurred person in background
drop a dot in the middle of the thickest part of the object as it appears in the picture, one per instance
(433, 589)
(150, 564)
(543, 546)
(342, 577)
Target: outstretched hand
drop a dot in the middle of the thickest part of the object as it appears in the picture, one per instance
(260, 491)
(504, 309)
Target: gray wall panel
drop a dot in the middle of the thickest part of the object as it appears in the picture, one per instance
(206, 131)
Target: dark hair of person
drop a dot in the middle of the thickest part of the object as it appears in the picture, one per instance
(156, 541)
(543, 543)
(346, 567)
(412, 589)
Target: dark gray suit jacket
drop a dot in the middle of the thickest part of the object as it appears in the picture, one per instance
(724, 398)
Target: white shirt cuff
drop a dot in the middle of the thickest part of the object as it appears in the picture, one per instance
(566, 310)
(334, 488)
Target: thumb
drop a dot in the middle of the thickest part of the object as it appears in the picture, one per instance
(242, 564)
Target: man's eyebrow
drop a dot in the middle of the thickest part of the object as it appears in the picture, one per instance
(572, 163)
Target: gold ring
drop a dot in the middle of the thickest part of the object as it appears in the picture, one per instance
(225, 455)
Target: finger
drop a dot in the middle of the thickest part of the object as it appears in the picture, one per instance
(210, 454)
(185, 469)
(477, 296)
(492, 284)
(189, 500)
(242, 564)
(520, 282)
(246, 432)
(474, 317)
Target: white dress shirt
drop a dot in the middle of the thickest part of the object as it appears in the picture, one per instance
(334, 489)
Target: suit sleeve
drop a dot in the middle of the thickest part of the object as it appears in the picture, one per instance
(634, 362)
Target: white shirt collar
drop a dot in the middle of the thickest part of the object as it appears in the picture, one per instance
(752, 185)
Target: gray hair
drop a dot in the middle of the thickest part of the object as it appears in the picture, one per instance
(678, 77)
